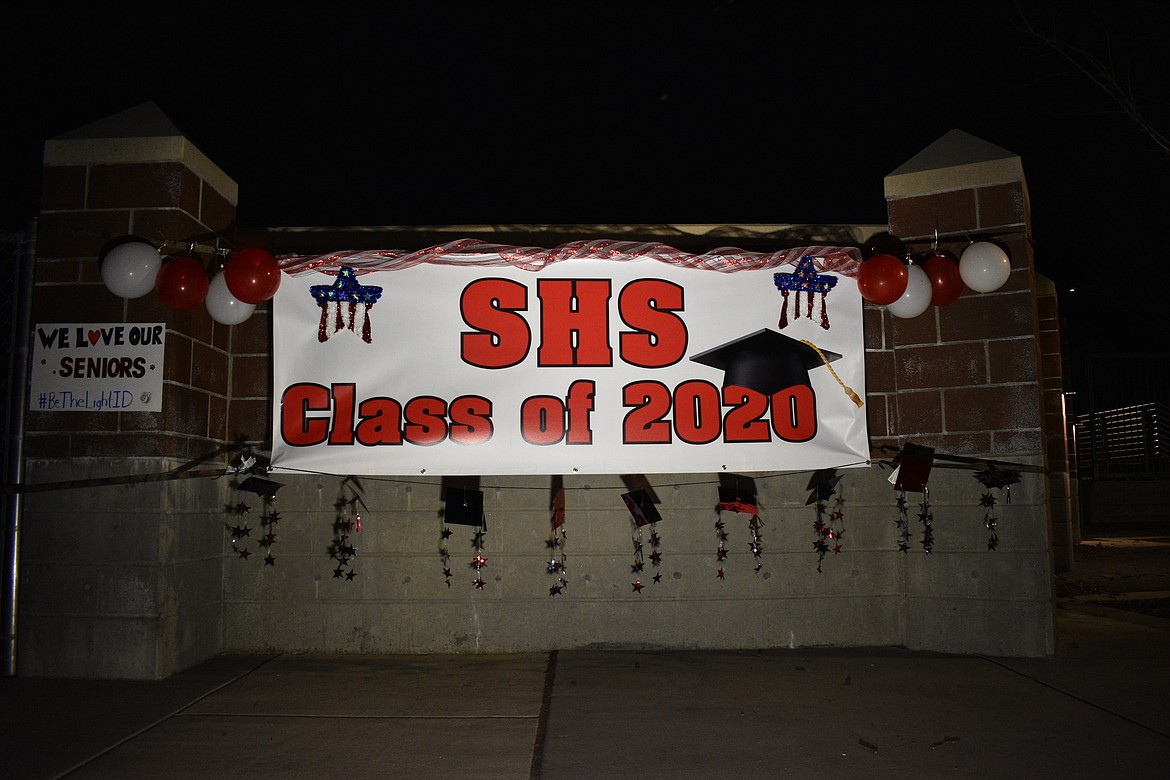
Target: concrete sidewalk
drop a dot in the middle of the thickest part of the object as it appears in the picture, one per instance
(610, 714)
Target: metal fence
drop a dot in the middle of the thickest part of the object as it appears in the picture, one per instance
(1123, 431)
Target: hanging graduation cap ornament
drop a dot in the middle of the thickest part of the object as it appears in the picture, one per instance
(345, 304)
(264, 488)
(643, 513)
(465, 507)
(913, 471)
(739, 495)
(991, 477)
(768, 362)
(804, 279)
(828, 524)
(556, 543)
(912, 474)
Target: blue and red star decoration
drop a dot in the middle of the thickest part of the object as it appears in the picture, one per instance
(345, 304)
(804, 279)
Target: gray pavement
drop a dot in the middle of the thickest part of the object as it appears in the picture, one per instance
(1099, 708)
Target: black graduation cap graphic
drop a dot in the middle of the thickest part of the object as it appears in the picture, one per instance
(641, 507)
(766, 361)
(464, 507)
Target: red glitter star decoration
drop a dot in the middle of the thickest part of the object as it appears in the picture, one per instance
(719, 574)
(637, 586)
(478, 583)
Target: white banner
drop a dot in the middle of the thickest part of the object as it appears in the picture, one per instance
(583, 366)
(97, 367)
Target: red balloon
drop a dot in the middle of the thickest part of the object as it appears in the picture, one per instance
(252, 275)
(181, 282)
(946, 283)
(882, 279)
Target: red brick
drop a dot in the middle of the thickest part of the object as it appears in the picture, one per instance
(943, 365)
(1012, 360)
(1003, 204)
(922, 329)
(217, 415)
(55, 271)
(79, 233)
(139, 185)
(209, 369)
(177, 358)
(63, 187)
(64, 302)
(46, 445)
(871, 318)
(251, 376)
(254, 335)
(170, 225)
(876, 420)
(990, 316)
(998, 407)
(250, 420)
(879, 372)
(922, 215)
(918, 413)
(215, 210)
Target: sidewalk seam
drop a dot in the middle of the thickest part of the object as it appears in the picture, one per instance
(535, 768)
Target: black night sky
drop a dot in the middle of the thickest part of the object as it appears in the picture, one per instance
(723, 111)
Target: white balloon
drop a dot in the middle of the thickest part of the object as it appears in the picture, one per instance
(984, 266)
(916, 299)
(225, 308)
(129, 270)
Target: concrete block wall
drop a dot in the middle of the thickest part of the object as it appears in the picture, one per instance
(961, 598)
(965, 379)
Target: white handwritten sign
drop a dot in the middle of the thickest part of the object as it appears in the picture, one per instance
(97, 367)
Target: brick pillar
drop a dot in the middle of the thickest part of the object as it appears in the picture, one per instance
(122, 581)
(982, 376)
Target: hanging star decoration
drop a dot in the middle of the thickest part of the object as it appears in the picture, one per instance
(556, 545)
(345, 304)
(445, 553)
(347, 520)
(829, 524)
(265, 489)
(993, 478)
(741, 498)
(721, 536)
(239, 532)
(478, 561)
(926, 518)
(903, 523)
(643, 513)
(804, 279)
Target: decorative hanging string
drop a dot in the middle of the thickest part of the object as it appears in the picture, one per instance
(848, 390)
(845, 261)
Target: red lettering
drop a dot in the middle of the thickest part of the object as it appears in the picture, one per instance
(381, 421)
(426, 420)
(501, 337)
(344, 399)
(296, 427)
(660, 337)
(471, 420)
(574, 322)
